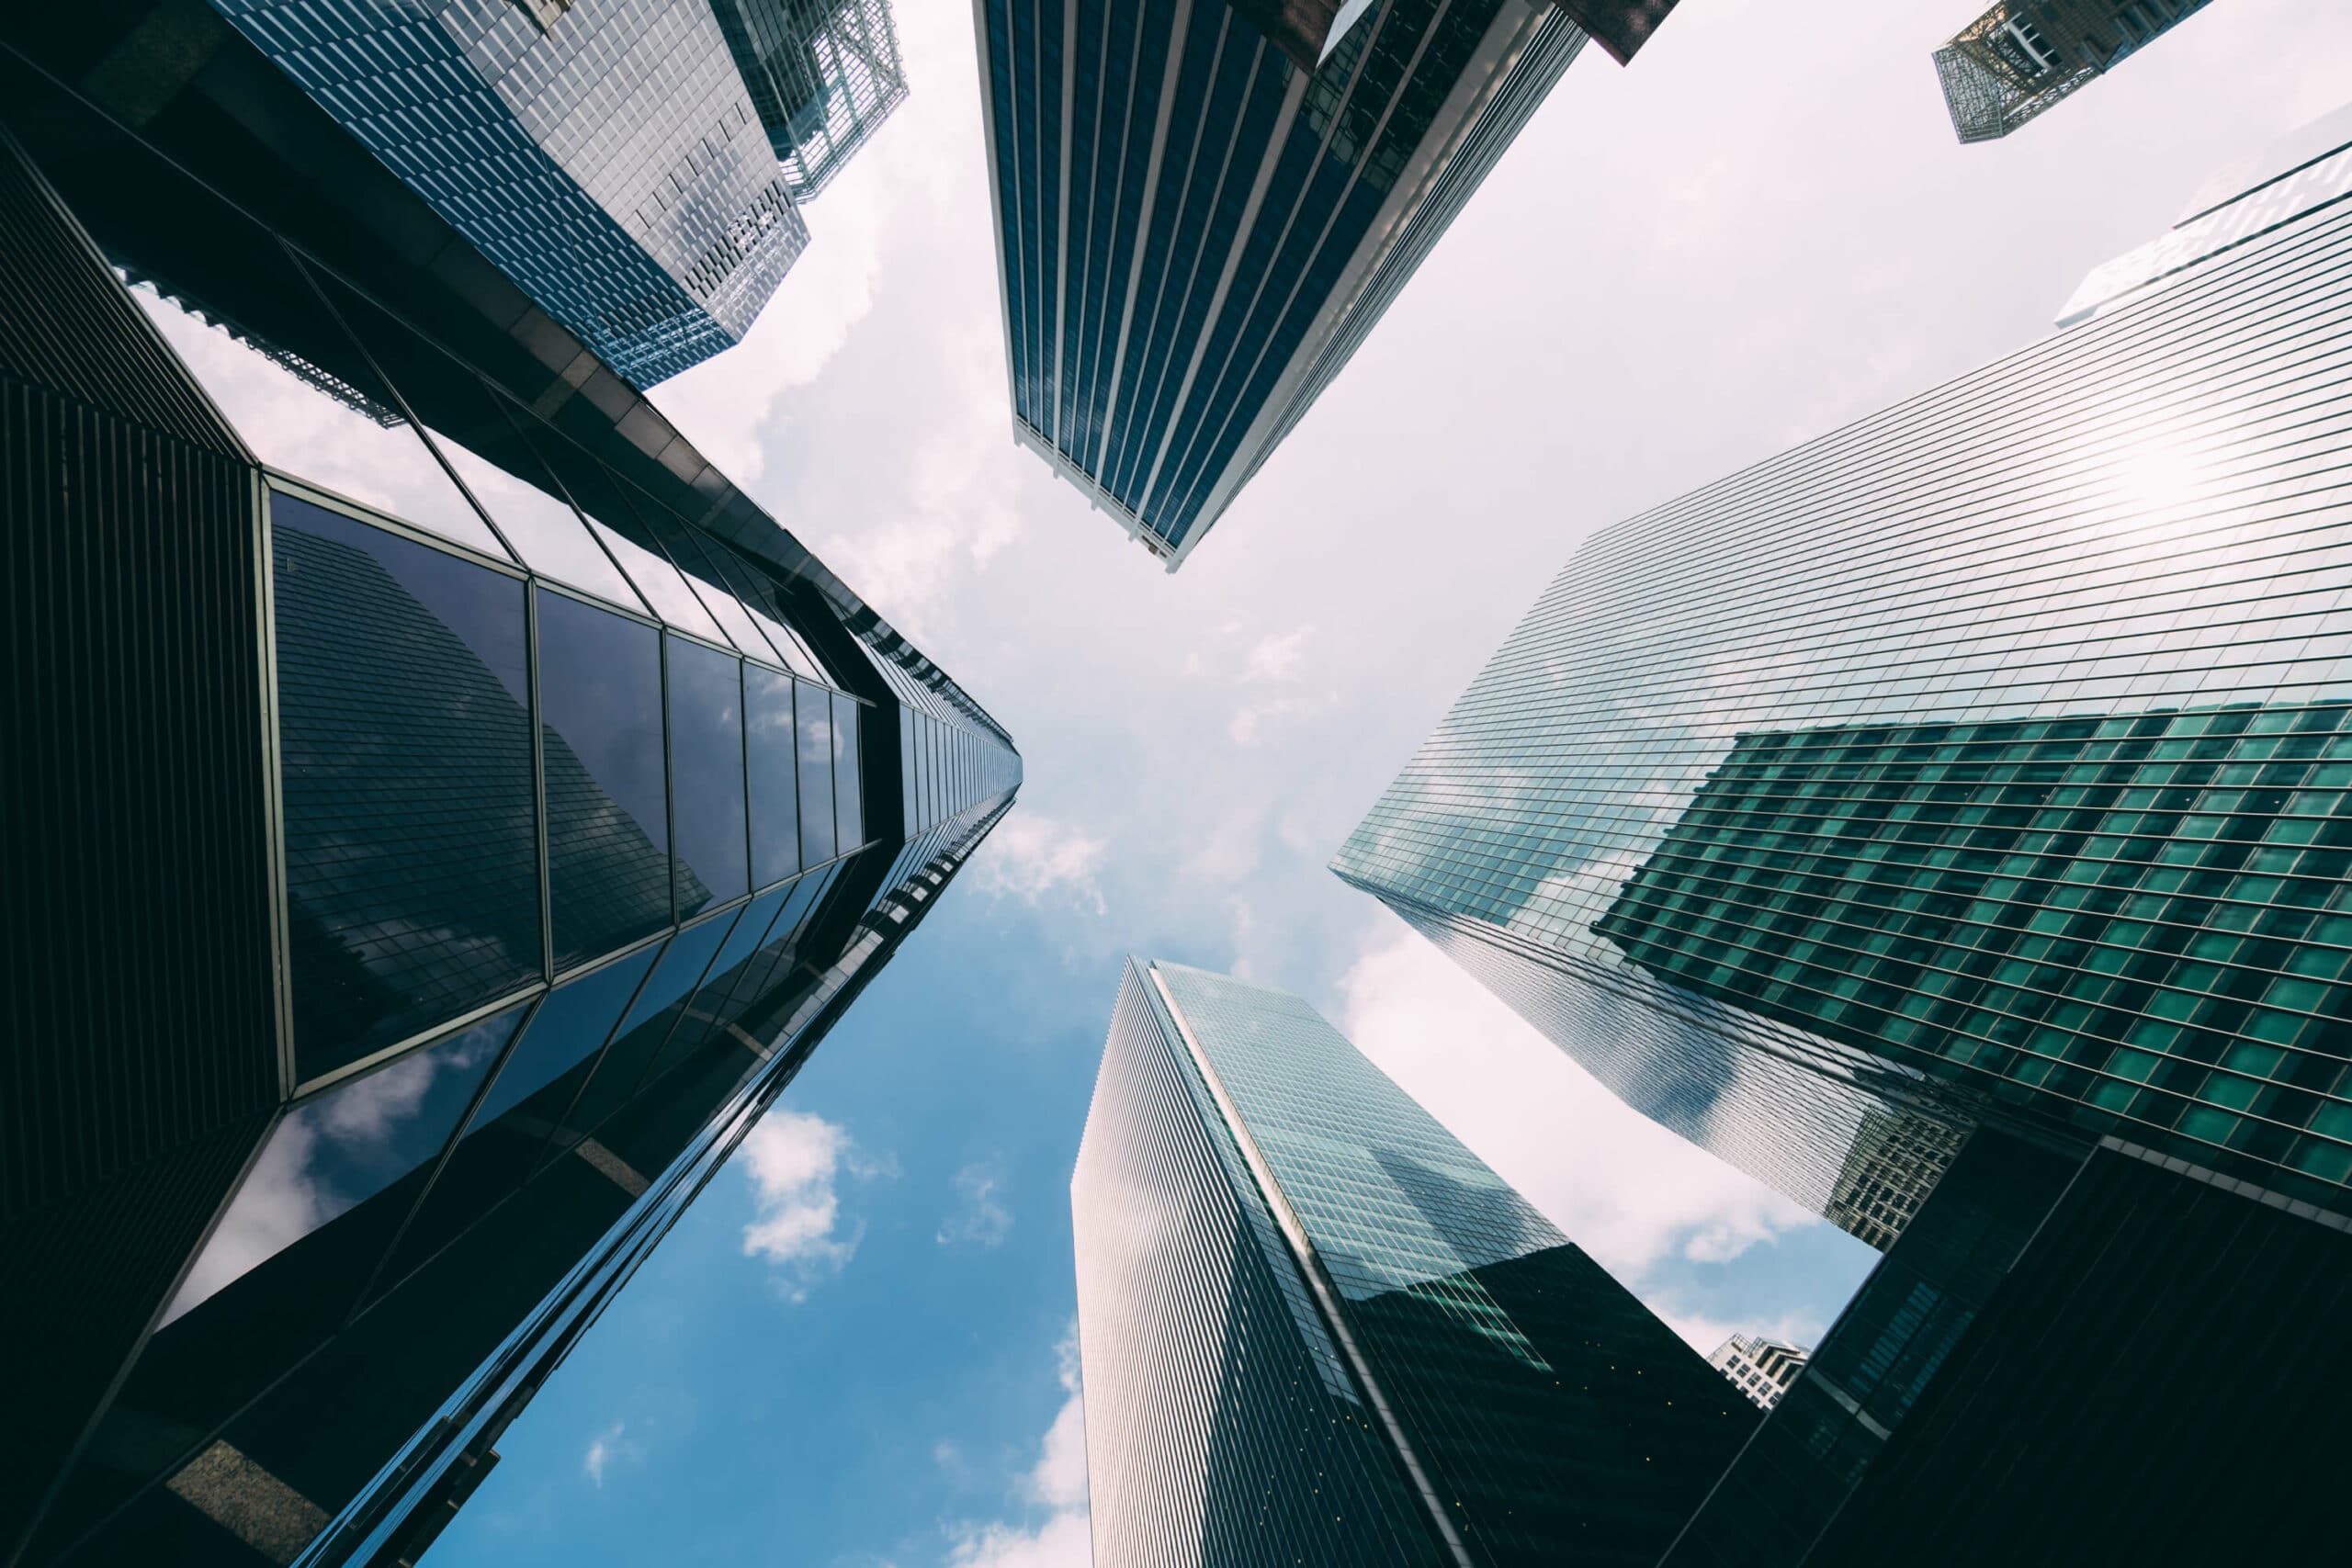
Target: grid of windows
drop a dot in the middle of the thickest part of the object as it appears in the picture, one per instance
(1231, 226)
(824, 75)
(2102, 583)
(608, 160)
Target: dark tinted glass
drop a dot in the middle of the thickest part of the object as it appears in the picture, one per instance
(651, 1018)
(707, 772)
(775, 819)
(712, 1005)
(410, 846)
(814, 710)
(849, 807)
(600, 711)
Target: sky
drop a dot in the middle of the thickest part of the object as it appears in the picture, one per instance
(856, 1350)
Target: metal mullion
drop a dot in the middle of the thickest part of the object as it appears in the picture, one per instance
(310, 1088)
(583, 596)
(669, 785)
(331, 501)
(540, 787)
(273, 787)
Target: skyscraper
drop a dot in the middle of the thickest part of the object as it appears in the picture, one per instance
(1758, 1366)
(604, 153)
(1314, 1327)
(1988, 758)
(453, 812)
(2023, 57)
(823, 75)
(1195, 231)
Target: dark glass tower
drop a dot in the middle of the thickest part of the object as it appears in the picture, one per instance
(2024, 57)
(454, 813)
(1314, 1327)
(1991, 758)
(822, 73)
(1194, 231)
(603, 153)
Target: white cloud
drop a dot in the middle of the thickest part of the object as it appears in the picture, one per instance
(607, 1447)
(979, 1216)
(1275, 658)
(794, 1163)
(1622, 1187)
(1247, 722)
(1055, 1483)
(1032, 856)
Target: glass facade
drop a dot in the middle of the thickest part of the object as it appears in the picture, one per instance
(1341, 1272)
(538, 937)
(1178, 296)
(603, 153)
(1985, 758)
(2025, 57)
(824, 75)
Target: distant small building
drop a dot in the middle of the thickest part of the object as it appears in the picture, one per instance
(1763, 1368)
(2023, 56)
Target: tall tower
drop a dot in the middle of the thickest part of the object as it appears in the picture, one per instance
(823, 75)
(1197, 225)
(604, 153)
(455, 812)
(1990, 758)
(1314, 1327)
(2023, 57)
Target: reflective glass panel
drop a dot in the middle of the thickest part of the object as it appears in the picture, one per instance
(849, 806)
(411, 853)
(775, 821)
(608, 840)
(814, 708)
(341, 430)
(332, 1154)
(713, 999)
(651, 1018)
(507, 477)
(707, 775)
(687, 551)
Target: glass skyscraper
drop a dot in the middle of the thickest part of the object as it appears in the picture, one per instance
(1229, 225)
(1990, 758)
(604, 153)
(1314, 1327)
(2024, 57)
(824, 75)
(453, 811)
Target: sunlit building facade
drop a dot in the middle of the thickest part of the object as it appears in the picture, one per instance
(1230, 223)
(1991, 757)
(1758, 1366)
(455, 813)
(1314, 1327)
(604, 153)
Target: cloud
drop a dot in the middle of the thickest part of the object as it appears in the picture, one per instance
(1246, 723)
(609, 1446)
(1275, 658)
(1546, 1125)
(794, 1162)
(978, 1217)
(1057, 1482)
(1032, 856)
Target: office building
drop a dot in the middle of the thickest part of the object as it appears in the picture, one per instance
(1230, 222)
(603, 153)
(1990, 758)
(823, 75)
(1314, 1327)
(2024, 57)
(453, 813)
(1758, 1366)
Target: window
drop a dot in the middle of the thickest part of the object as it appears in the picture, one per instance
(608, 831)
(813, 710)
(775, 768)
(713, 862)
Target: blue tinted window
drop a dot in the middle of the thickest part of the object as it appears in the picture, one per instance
(608, 837)
(775, 766)
(411, 852)
(651, 1018)
(815, 713)
(849, 806)
(706, 775)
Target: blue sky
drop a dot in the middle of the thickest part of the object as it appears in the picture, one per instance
(851, 1351)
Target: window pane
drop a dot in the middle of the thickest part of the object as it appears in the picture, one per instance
(507, 477)
(712, 1006)
(776, 822)
(650, 1019)
(614, 520)
(412, 851)
(814, 708)
(332, 1154)
(686, 550)
(608, 837)
(533, 1087)
(849, 806)
(357, 443)
(707, 775)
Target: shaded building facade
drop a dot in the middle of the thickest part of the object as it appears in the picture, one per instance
(493, 806)
(824, 75)
(1314, 1326)
(604, 153)
(2023, 58)
(1921, 775)
(1230, 222)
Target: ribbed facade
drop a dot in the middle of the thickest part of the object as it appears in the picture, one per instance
(1994, 753)
(1194, 233)
(604, 153)
(1314, 1327)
